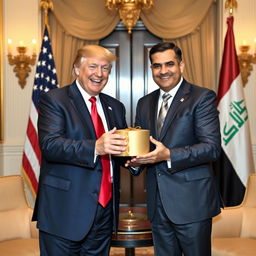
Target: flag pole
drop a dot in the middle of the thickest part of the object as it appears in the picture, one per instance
(46, 5)
(230, 5)
(45, 80)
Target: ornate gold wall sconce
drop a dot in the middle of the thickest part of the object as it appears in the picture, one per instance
(21, 61)
(129, 10)
(245, 61)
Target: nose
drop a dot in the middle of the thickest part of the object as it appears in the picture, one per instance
(163, 69)
(98, 72)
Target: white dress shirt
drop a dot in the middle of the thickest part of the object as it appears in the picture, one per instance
(172, 92)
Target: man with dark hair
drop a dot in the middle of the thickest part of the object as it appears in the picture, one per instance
(78, 194)
(185, 139)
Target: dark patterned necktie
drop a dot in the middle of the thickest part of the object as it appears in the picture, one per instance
(162, 112)
(106, 186)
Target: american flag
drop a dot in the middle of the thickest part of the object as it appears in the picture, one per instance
(45, 80)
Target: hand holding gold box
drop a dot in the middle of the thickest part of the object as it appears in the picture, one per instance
(137, 141)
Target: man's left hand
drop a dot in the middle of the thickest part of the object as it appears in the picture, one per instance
(161, 153)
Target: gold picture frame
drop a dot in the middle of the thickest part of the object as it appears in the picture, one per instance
(1, 75)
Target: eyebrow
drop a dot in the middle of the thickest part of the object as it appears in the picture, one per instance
(104, 65)
(165, 63)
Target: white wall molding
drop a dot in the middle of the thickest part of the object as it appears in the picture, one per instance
(10, 159)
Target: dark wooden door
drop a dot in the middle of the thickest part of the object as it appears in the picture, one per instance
(130, 79)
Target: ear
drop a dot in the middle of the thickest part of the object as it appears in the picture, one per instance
(76, 71)
(182, 66)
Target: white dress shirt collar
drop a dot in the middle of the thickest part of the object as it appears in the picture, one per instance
(172, 91)
(86, 96)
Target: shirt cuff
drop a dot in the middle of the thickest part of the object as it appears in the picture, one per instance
(95, 156)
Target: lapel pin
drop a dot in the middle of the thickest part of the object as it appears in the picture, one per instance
(182, 99)
(109, 108)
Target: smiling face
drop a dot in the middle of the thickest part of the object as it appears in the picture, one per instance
(93, 74)
(166, 69)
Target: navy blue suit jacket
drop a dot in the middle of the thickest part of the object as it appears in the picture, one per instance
(191, 132)
(69, 181)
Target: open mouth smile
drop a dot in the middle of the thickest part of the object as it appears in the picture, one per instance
(96, 80)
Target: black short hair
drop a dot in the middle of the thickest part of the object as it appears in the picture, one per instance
(163, 46)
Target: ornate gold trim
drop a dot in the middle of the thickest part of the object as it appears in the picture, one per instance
(246, 60)
(22, 63)
(129, 10)
(231, 5)
(46, 5)
(134, 233)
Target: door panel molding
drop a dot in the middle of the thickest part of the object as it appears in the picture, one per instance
(130, 79)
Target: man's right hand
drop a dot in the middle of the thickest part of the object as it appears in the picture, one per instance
(110, 143)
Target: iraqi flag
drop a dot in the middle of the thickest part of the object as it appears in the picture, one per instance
(236, 162)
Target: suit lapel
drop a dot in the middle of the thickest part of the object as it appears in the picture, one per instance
(153, 114)
(108, 111)
(78, 102)
(180, 97)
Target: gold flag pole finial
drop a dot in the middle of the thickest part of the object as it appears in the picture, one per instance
(231, 5)
(46, 5)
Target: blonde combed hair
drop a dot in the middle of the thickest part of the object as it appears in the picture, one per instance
(92, 51)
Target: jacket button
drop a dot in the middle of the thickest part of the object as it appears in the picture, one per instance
(159, 174)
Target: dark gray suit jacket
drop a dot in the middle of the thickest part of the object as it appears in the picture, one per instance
(69, 181)
(191, 132)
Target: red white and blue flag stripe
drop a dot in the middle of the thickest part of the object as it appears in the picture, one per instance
(45, 80)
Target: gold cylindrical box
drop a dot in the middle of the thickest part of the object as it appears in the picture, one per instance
(137, 141)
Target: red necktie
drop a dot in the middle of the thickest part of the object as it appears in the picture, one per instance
(106, 186)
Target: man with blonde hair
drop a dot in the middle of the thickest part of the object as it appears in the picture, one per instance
(78, 195)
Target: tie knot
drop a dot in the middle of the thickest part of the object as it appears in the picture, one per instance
(166, 97)
(92, 99)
